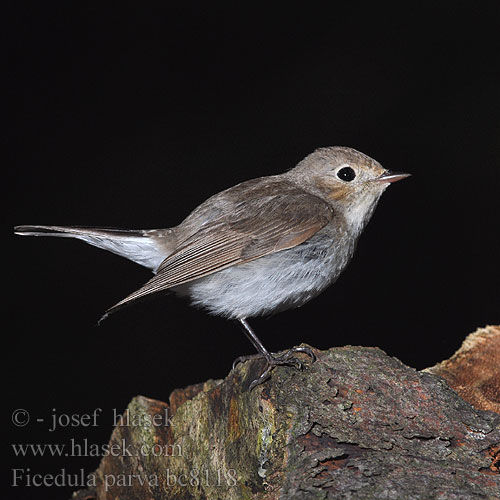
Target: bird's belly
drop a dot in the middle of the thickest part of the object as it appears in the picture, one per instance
(272, 283)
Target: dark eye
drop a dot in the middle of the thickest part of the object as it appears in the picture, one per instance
(346, 174)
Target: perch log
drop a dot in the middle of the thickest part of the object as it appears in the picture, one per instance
(356, 424)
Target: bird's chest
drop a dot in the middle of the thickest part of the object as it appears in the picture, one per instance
(314, 264)
(276, 282)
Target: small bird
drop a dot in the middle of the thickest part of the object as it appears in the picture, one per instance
(260, 247)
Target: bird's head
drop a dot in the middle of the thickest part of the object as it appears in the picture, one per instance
(348, 180)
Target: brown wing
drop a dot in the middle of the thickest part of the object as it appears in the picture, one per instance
(253, 229)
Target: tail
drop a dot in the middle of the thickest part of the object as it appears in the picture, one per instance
(147, 247)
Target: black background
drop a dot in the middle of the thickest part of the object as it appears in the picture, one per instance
(129, 117)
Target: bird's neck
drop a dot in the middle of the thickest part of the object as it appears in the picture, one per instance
(358, 214)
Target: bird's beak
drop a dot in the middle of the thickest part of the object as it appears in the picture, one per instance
(389, 176)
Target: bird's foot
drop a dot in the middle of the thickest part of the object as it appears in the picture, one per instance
(272, 360)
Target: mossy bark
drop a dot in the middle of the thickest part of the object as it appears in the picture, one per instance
(356, 424)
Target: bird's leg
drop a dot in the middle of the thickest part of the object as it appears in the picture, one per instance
(272, 360)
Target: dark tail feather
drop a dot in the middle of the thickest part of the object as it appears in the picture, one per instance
(140, 245)
(76, 231)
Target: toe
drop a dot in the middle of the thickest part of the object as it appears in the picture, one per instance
(306, 350)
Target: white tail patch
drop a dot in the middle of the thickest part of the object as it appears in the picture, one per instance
(142, 246)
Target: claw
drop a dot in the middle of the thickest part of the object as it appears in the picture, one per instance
(305, 350)
(261, 378)
(242, 359)
(272, 360)
(287, 359)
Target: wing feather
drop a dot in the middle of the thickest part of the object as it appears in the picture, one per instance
(260, 227)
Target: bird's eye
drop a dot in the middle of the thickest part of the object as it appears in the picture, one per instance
(346, 174)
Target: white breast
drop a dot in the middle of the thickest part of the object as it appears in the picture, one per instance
(275, 282)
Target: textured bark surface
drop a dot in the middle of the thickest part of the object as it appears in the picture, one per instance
(356, 424)
(474, 370)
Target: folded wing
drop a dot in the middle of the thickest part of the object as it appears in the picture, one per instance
(282, 219)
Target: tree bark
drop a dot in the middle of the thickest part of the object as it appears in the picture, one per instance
(355, 424)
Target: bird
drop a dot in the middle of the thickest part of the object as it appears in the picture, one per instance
(258, 248)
